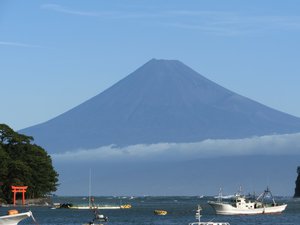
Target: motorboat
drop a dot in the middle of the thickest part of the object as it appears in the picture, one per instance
(199, 222)
(242, 205)
(14, 217)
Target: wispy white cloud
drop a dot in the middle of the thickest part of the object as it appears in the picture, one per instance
(233, 24)
(18, 44)
(61, 9)
(210, 22)
(209, 29)
(288, 144)
(103, 14)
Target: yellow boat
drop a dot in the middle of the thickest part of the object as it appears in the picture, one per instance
(160, 212)
(127, 206)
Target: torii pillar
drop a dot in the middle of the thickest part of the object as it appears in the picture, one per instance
(19, 189)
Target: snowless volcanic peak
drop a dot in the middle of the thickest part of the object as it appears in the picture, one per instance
(162, 101)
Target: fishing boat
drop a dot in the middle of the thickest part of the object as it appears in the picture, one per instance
(241, 205)
(199, 222)
(14, 217)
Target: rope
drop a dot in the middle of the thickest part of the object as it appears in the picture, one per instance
(34, 220)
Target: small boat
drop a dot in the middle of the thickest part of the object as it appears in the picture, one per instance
(241, 205)
(14, 217)
(126, 206)
(98, 218)
(160, 212)
(198, 217)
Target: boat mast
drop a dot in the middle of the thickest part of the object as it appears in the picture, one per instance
(90, 187)
(239, 193)
(265, 194)
(220, 197)
(271, 195)
(198, 214)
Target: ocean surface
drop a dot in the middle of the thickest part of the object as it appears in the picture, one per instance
(181, 210)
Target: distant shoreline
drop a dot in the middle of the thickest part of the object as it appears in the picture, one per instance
(47, 201)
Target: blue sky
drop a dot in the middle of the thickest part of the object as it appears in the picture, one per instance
(56, 54)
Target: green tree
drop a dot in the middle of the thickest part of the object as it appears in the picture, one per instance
(24, 163)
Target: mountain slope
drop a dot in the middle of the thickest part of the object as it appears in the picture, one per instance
(162, 101)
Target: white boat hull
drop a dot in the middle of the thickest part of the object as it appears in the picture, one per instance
(227, 209)
(14, 219)
(95, 207)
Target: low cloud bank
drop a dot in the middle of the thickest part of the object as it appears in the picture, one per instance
(288, 144)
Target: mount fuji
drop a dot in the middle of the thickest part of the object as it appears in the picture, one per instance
(162, 101)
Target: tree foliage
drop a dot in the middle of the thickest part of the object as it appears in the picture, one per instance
(24, 163)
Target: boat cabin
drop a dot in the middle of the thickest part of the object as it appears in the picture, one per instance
(243, 203)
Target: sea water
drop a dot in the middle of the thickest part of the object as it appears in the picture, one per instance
(181, 211)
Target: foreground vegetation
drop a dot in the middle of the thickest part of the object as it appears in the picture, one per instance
(25, 164)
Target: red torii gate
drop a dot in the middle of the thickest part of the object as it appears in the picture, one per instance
(19, 189)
